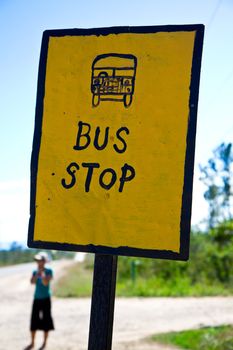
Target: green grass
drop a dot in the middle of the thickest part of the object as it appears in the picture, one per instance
(158, 287)
(208, 338)
(76, 282)
(173, 287)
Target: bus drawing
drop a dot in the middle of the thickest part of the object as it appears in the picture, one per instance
(113, 78)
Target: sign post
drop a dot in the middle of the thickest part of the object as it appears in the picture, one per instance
(113, 150)
(102, 304)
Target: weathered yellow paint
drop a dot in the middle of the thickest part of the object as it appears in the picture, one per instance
(147, 213)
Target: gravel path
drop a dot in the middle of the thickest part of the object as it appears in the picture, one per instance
(135, 319)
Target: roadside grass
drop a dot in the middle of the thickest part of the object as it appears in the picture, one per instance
(208, 273)
(158, 287)
(75, 282)
(207, 338)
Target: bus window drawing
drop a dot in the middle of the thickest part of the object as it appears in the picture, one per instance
(113, 78)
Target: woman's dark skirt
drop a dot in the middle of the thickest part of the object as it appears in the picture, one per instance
(41, 318)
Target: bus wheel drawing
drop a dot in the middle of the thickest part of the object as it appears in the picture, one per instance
(95, 100)
(127, 100)
(96, 91)
(103, 74)
(113, 78)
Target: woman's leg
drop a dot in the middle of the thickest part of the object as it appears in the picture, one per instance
(43, 346)
(31, 346)
(33, 323)
(46, 320)
(33, 334)
(46, 334)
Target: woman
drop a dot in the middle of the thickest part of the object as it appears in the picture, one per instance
(41, 318)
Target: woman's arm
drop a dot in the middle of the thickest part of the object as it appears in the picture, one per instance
(34, 278)
(46, 279)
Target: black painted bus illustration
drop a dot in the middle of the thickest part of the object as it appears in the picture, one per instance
(113, 78)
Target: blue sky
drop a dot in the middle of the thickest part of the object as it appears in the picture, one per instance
(22, 23)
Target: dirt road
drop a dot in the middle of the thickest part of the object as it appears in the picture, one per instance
(135, 318)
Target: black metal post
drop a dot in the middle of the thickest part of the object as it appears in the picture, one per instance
(102, 305)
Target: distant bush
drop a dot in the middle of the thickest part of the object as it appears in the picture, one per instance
(208, 272)
(17, 254)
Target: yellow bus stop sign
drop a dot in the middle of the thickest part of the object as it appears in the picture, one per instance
(113, 151)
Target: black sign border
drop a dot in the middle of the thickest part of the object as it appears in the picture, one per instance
(185, 221)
